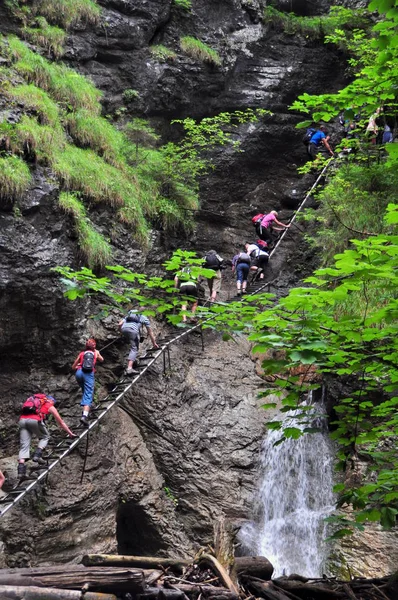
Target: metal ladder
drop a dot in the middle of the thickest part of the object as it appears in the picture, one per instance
(59, 447)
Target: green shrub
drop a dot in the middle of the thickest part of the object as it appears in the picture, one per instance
(62, 83)
(97, 133)
(352, 204)
(130, 95)
(162, 53)
(199, 51)
(94, 246)
(139, 132)
(68, 12)
(15, 177)
(38, 100)
(47, 36)
(183, 4)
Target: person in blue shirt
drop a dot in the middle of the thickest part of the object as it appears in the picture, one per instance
(319, 139)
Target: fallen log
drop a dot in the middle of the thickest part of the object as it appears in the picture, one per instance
(306, 590)
(207, 591)
(143, 562)
(254, 566)
(264, 589)
(76, 577)
(39, 593)
(213, 563)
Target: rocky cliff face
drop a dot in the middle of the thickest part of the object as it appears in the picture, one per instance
(158, 476)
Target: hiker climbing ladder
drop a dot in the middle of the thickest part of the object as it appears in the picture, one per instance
(58, 449)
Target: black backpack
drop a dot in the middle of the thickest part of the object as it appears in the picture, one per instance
(211, 261)
(308, 135)
(133, 317)
(88, 361)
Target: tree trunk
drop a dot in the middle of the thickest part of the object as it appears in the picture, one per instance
(224, 537)
(11, 592)
(143, 562)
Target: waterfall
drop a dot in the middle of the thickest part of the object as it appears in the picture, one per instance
(294, 497)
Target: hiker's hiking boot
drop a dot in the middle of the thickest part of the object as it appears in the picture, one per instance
(37, 458)
(21, 470)
(84, 421)
(132, 372)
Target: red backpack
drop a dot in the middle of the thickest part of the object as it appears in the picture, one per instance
(32, 406)
(257, 218)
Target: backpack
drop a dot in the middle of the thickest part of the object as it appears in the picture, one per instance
(262, 245)
(257, 219)
(88, 361)
(243, 258)
(32, 406)
(308, 135)
(211, 261)
(133, 317)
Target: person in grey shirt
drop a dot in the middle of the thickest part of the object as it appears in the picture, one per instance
(130, 328)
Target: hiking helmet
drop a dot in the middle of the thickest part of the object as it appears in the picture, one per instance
(52, 399)
(91, 344)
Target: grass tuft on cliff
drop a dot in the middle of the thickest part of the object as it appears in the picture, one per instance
(47, 36)
(199, 50)
(162, 53)
(68, 12)
(92, 131)
(315, 28)
(63, 84)
(15, 177)
(37, 142)
(37, 100)
(94, 246)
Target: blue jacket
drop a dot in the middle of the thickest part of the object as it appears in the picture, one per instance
(317, 138)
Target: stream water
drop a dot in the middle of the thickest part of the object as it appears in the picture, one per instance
(294, 497)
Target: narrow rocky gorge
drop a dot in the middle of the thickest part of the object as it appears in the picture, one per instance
(185, 451)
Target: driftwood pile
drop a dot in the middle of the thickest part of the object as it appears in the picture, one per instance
(103, 577)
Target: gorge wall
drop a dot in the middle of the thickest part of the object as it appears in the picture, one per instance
(143, 492)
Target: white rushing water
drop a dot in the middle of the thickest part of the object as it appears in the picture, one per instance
(294, 497)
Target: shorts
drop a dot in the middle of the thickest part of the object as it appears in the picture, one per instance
(189, 290)
(215, 283)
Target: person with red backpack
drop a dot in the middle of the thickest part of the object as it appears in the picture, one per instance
(85, 368)
(35, 410)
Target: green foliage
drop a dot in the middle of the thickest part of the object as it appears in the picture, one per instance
(171, 496)
(68, 12)
(34, 98)
(14, 177)
(352, 204)
(47, 36)
(183, 4)
(162, 53)
(130, 95)
(199, 51)
(315, 28)
(140, 133)
(95, 248)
